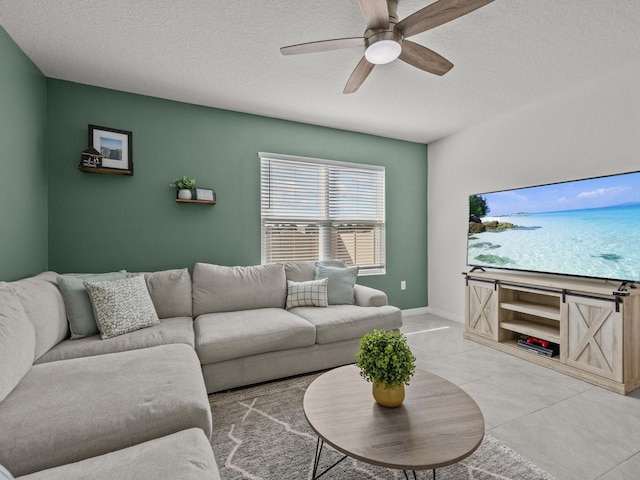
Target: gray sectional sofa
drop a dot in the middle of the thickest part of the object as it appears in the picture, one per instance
(244, 335)
(135, 405)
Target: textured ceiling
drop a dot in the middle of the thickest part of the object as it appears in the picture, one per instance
(225, 54)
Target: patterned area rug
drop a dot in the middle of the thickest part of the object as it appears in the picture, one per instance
(261, 433)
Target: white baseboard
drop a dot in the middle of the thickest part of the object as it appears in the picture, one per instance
(439, 313)
(415, 311)
(448, 315)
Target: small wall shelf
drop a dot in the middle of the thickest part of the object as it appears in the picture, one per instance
(204, 202)
(110, 171)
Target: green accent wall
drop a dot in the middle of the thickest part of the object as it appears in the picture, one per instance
(103, 222)
(23, 169)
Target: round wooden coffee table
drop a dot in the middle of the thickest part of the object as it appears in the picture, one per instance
(437, 425)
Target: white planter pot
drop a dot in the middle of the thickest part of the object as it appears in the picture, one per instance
(184, 194)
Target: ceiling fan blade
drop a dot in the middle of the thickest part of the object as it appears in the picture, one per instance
(323, 46)
(424, 58)
(436, 14)
(375, 13)
(359, 75)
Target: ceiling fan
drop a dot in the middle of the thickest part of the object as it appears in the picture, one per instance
(385, 38)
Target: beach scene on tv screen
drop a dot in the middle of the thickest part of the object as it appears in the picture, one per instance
(585, 228)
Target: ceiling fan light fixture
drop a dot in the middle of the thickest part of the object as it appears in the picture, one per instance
(383, 51)
(383, 47)
(384, 38)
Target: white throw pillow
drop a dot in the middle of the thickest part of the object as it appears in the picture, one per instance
(122, 306)
(307, 294)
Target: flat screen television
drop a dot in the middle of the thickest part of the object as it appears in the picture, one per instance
(584, 228)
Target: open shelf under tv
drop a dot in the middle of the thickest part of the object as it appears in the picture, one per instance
(547, 311)
(596, 326)
(533, 329)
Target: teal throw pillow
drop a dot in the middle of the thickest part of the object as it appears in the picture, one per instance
(77, 303)
(340, 283)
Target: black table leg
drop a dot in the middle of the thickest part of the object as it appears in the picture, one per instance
(316, 461)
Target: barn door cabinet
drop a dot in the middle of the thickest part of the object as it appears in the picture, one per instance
(482, 310)
(596, 324)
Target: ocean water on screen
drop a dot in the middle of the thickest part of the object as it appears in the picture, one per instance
(595, 242)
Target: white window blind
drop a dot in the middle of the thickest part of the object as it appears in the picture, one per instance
(316, 209)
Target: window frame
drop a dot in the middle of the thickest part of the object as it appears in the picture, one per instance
(326, 224)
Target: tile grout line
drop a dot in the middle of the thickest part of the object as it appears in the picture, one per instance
(616, 466)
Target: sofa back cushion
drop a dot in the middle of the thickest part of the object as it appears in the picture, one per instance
(17, 340)
(226, 289)
(170, 291)
(43, 303)
(306, 271)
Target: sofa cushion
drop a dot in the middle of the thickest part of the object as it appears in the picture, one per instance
(227, 289)
(17, 340)
(122, 306)
(170, 330)
(77, 303)
(305, 271)
(186, 455)
(226, 335)
(307, 294)
(170, 291)
(63, 412)
(344, 322)
(43, 303)
(341, 282)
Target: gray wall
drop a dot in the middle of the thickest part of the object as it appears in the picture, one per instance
(586, 132)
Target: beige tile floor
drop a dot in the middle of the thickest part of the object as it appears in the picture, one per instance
(570, 428)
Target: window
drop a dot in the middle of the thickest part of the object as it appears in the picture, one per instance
(319, 209)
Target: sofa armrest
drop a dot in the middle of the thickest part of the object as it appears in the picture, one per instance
(369, 297)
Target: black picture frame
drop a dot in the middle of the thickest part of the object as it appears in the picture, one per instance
(116, 147)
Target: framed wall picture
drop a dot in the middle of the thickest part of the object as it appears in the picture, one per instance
(205, 194)
(114, 145)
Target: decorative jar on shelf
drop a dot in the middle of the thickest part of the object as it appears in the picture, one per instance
(185, 194)
(185, 186)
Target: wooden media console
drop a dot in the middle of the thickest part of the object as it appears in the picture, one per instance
(596, 323)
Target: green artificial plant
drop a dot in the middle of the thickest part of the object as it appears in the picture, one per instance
(384, 358)
(184, 182)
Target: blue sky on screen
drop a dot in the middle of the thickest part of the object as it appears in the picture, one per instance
(577, 195)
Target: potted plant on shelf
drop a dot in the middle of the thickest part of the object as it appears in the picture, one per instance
(185, 186)
(385, 359)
